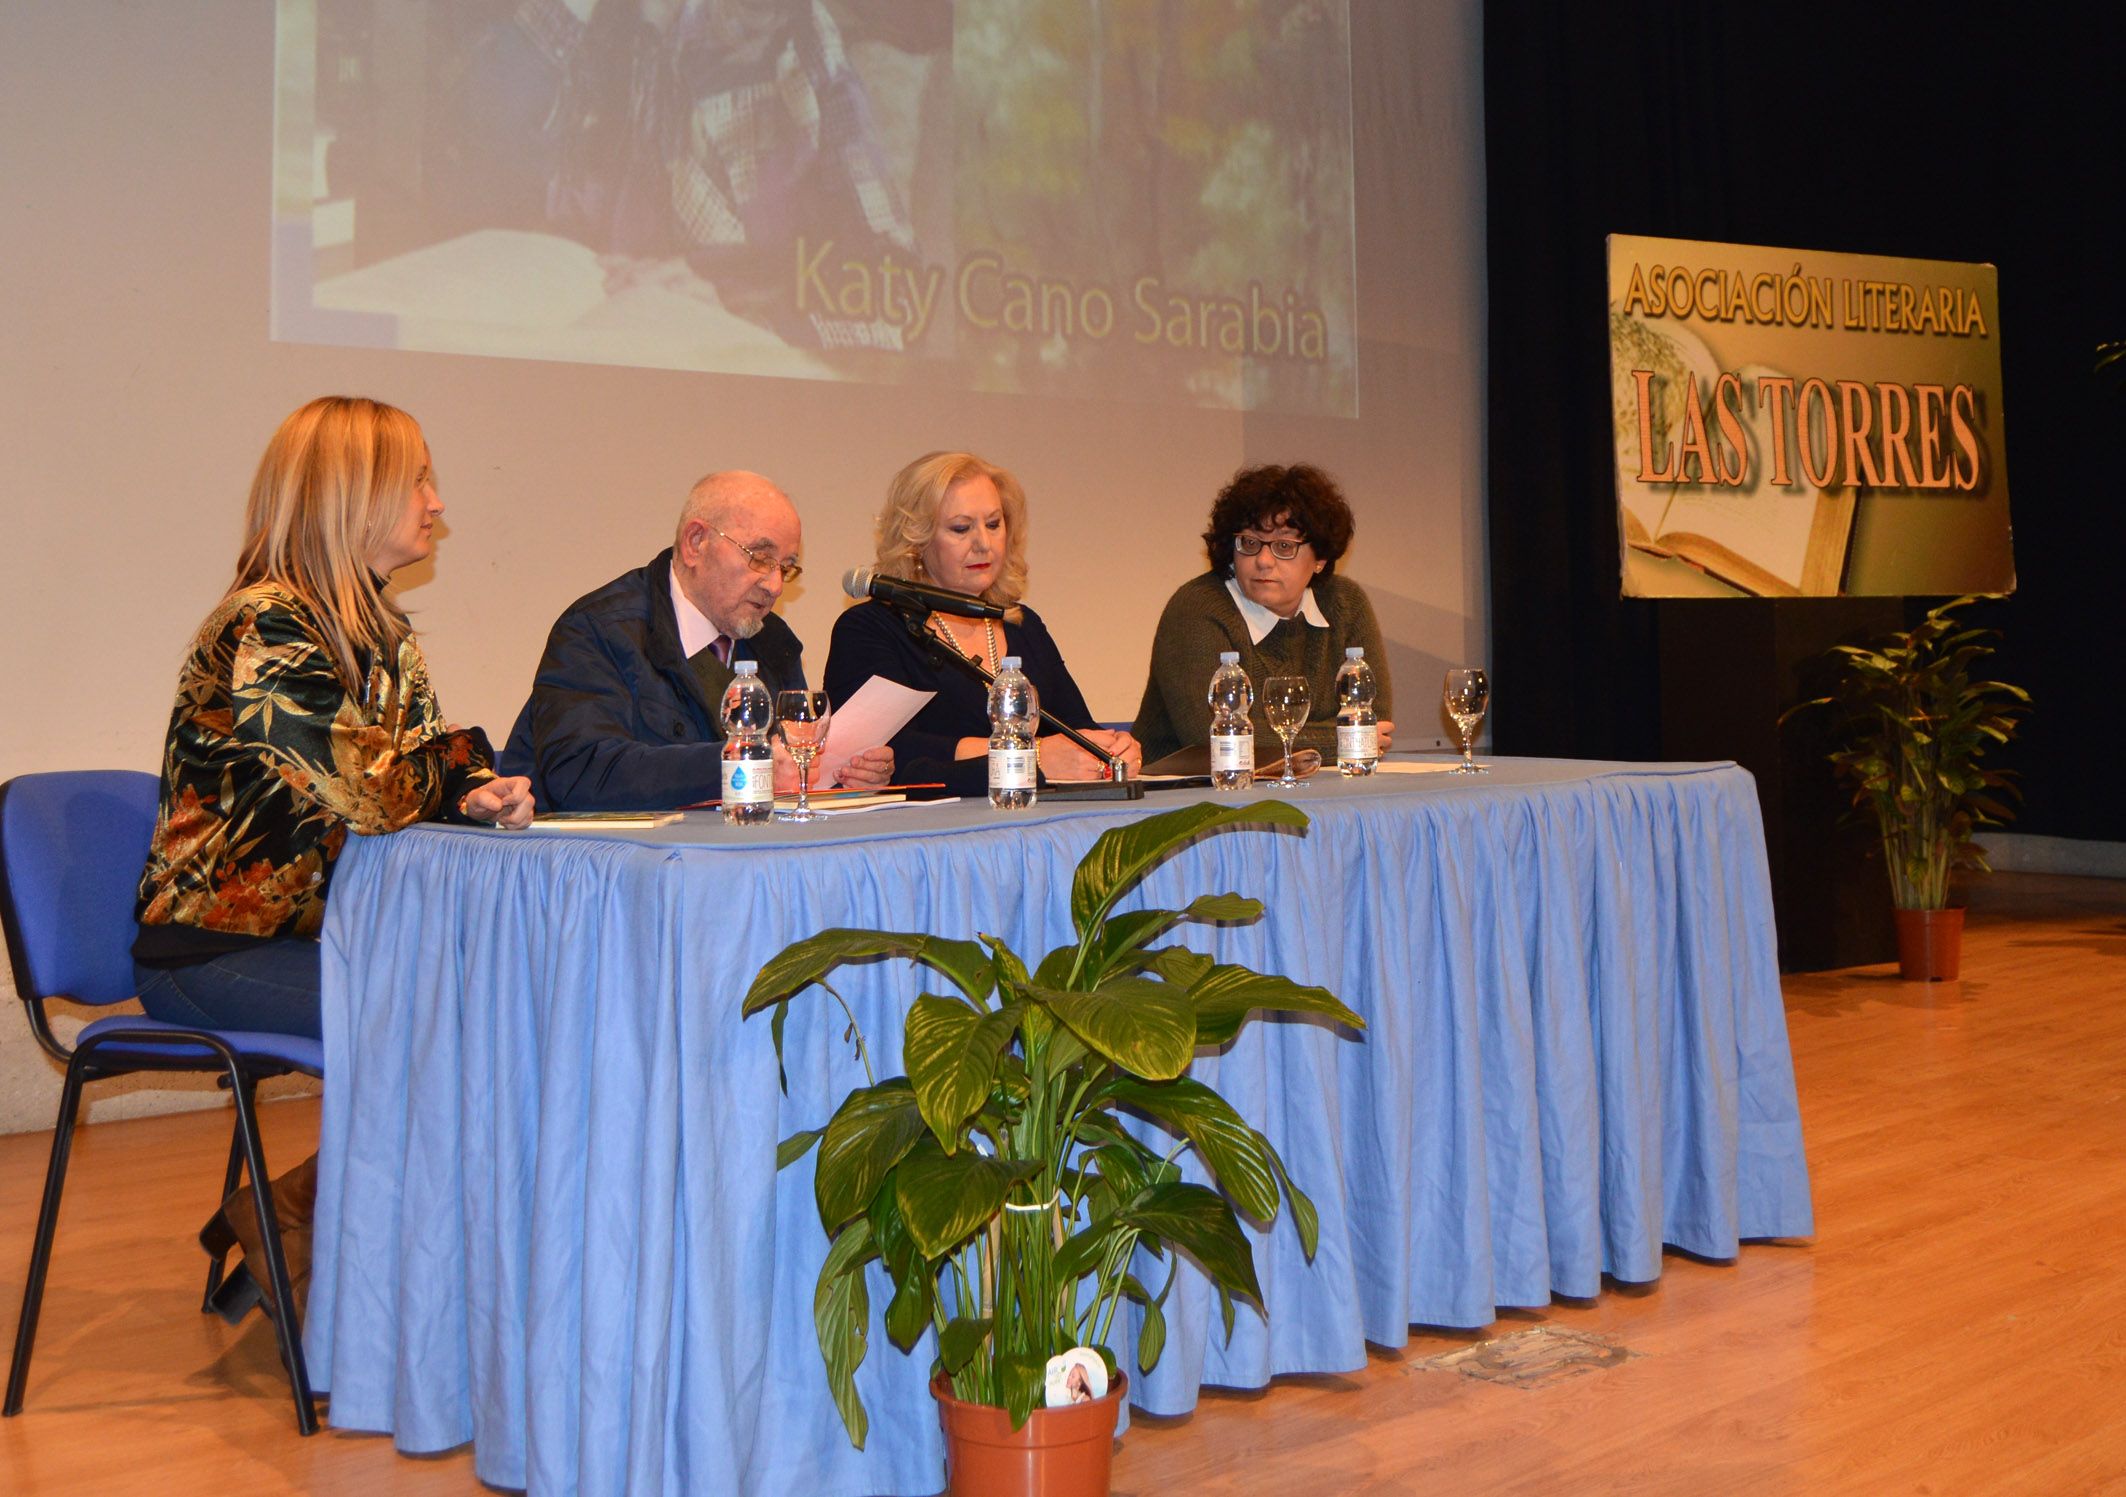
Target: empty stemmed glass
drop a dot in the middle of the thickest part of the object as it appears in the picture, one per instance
(1466, 695)
(801, 721)
(1284, 703)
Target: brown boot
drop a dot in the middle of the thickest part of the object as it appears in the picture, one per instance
(236, 1224)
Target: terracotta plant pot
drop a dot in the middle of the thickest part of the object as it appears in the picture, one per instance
(1930, 944)
(1066, 1452)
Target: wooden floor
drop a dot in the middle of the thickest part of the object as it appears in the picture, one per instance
(1958, 1324)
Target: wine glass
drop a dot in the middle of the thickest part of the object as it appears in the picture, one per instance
(1284, 703)
(801, 721)
(1467, 694)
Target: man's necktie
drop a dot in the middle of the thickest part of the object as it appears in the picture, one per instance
(712, 667)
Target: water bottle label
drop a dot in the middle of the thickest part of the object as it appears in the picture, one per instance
(1011, 768)
(1357, 741)
(1231, 751)
(748, 782)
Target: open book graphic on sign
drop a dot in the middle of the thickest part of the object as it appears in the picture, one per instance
(1778, 542)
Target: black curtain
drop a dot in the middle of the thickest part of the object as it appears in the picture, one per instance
(1944, 132)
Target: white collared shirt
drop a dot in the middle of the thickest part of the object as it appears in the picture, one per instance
(696, 632)
(1261, 621)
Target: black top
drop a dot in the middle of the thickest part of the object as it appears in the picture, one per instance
(618, 719)
(870, 640)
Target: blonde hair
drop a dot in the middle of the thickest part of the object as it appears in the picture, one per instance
(910, 518)
(333, 482)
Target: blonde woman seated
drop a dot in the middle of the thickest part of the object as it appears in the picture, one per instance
(303, 713)
(955, 521)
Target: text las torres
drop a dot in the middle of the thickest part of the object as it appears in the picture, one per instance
(1837, 433)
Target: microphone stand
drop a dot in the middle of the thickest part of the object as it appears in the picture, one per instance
(916, 619)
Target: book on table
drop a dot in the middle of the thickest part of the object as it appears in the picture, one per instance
(603, 821)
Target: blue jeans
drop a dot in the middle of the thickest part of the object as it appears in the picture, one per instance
(271, 987)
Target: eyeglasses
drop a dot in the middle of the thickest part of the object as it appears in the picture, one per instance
(763, 563)
(1251, 545)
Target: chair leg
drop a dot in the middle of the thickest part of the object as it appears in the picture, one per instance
(287, 1324)
(18, 1371)
(230, 1180)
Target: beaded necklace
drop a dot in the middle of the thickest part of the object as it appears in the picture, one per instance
(989, 634)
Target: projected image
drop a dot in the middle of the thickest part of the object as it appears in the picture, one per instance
(1144, 199)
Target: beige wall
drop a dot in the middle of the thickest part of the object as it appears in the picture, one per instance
(139, 385)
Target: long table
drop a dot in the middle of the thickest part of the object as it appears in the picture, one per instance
(549, 1219)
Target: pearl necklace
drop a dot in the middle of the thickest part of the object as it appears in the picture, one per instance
(989, 633)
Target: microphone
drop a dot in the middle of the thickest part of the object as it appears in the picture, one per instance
(869, 582)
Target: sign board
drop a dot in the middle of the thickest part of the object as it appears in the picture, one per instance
(1795, 423)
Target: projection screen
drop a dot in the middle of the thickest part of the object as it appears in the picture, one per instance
(1024, 197)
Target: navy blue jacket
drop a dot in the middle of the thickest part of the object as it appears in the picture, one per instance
(870, 640)
(617, 719)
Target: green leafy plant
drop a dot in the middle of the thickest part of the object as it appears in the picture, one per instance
(1917, 720)
(996, 1180)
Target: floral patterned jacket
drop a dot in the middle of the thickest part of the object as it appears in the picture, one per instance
(270, 760)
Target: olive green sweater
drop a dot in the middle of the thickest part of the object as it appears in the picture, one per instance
(1201, 620)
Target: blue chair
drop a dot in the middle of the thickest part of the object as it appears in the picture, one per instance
(72, 846)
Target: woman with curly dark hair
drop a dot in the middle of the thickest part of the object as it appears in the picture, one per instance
(1272, 594)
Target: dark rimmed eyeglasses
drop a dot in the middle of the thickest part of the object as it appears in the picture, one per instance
(762, 562)
(1251, 545)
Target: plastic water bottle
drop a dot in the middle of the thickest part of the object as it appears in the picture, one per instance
(748, 761)
(1357, 723)
(1232, 730)
(1014, 709)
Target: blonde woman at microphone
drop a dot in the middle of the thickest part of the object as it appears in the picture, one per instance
(956, 522)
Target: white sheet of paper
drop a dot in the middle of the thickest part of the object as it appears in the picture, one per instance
(880, 709)
(1413, 766)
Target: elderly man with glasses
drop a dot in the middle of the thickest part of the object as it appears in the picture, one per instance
(624, 713)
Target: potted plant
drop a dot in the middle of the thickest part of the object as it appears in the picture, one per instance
(1916, 723)
(996, 1179)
